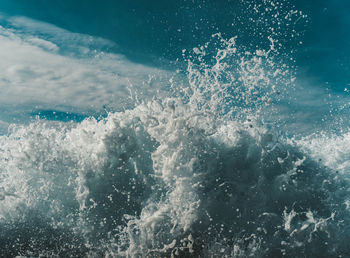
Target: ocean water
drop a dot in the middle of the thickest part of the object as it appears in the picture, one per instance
(182, 129)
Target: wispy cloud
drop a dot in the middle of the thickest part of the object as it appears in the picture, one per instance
(42, 66)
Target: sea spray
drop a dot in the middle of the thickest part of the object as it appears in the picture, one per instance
(195, 174)
(153, 181)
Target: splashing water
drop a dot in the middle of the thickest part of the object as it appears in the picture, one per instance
(196, 174)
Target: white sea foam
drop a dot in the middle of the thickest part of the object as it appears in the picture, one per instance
(157, 180)
(330, 149)
(173, 176)
(196, 174)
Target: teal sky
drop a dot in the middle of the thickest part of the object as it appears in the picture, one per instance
(146, 38)
(148, 31)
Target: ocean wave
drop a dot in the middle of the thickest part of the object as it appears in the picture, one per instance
(203, 172)
(164, 179)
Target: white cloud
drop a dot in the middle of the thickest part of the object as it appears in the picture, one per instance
(43, 44)
(50, 68)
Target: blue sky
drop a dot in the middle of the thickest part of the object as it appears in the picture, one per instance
(150, 31)
(83, 55)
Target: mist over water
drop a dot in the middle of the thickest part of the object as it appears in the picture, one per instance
(161, 144)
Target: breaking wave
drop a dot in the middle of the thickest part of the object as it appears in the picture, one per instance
(200, 173)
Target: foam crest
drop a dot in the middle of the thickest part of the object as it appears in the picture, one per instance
(197, 174)
(330, 149)
(167, 179)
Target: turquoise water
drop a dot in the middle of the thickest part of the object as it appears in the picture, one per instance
(180, 129)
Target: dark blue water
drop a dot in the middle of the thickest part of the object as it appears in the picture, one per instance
(174, 129)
